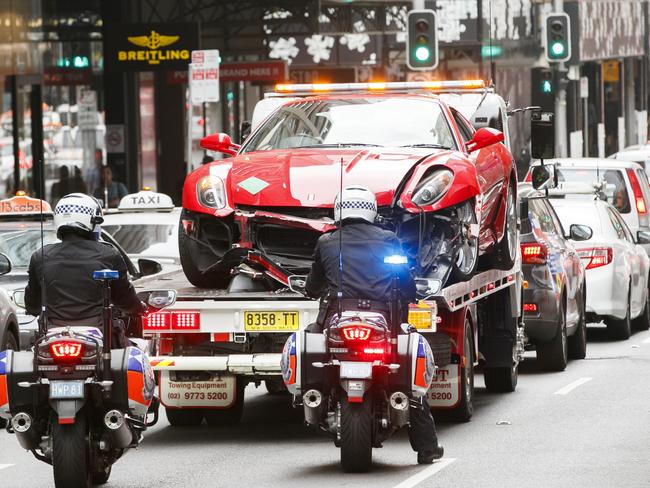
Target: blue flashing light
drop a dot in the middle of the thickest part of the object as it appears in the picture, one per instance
(106, 274)
(395, 259)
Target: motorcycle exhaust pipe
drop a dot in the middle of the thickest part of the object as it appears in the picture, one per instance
(23, 427)
(118, 429)
(313, 404)
(399, 409)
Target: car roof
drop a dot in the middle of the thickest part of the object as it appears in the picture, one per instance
(150, 217)
(593, 162)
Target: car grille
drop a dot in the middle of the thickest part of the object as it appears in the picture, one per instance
(289, 242)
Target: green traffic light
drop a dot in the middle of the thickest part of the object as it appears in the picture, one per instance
(557, 49)
(422, 53)
(547, 87)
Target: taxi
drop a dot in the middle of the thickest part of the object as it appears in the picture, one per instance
(145, 224)
(20, 236)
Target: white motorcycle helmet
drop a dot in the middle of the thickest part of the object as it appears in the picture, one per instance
(79, 212)
(355, 202)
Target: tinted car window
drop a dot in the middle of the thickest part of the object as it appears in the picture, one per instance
(615, 186)
(617, 224)
(466, 131)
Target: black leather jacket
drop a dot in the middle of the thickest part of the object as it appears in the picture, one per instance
(71, 292)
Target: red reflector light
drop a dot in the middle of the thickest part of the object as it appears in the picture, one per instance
(221, 337)
(533, 253)
(597, 256)
(66, 351)
(374, 351)
(636, 189)
(186, 320)
(157, 321)
(530, 307)
(356, 333)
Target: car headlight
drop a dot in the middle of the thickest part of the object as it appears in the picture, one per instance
(211, 192)
(433, 187)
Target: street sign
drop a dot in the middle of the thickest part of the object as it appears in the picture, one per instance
(115, 138)
(204, 76)
(87, 115)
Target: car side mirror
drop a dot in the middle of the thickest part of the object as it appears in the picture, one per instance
(245, 130)
(579, 232)
(18, 296)
(484, 137)
(162, 298)
(220, 142)
(149, 267)
(5, 264)
(544, 176)
(297, 283)
(643, 237)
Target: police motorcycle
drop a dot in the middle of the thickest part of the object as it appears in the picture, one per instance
(74, 402)
(355, 380)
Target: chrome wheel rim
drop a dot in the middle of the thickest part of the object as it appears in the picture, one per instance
(511, 222)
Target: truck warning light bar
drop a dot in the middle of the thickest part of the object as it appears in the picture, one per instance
(448, 86)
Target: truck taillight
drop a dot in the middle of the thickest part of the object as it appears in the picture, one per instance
(533, 253)
(66, 351)
(530, 307)
(186, 320)
(157, 321)
(597, 256)
(638, 194)
(356, 333)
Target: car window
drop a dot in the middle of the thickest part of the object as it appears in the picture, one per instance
(615, 185)
(542, 217)
(626, 230)
(157, 240)
(466, 130)
(645, 185)
(617, 224)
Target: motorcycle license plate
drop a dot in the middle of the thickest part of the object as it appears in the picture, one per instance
(276, 320)
(356, 371)
(62, 390)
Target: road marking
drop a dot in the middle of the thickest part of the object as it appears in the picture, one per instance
(418, 478)
(647, 341)
(3, 466)
(572, 386)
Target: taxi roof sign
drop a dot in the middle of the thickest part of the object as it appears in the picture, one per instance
(24, 205)
(146, 200)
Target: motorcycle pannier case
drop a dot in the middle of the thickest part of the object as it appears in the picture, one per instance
(301, 350)
(16, 367)
(133, 381)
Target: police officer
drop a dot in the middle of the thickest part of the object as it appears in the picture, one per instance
(352, 259)
(66, 269)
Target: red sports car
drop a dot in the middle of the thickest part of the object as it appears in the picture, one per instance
(447, 190)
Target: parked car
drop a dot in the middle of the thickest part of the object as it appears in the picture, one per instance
(616, 266)
(626, 186)
(639, 153)
(555, 295)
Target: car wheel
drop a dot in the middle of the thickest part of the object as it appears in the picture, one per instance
(620, 329)
(642, 322)
(506, 251)
(463, 412)
(578, 341)
(10, 343)
(554, 355)
(187, 417)
(191, 269)
(467, 254)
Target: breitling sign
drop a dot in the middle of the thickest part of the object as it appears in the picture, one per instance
(150, 47)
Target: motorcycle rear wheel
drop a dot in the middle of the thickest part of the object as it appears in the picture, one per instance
(356, 436)
(71, 454)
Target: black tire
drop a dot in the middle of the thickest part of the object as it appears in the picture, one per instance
(465, 409)
(10, 343)
(505, 252)
(190, 268)
(101, 474)
(578, 341)
(70, 454)
(642, 322)
(501, 379)
(186, 417)
(230, 416)
(554, 354)
(3, 424)
(356, 436)
(620, 329)
(275, 387)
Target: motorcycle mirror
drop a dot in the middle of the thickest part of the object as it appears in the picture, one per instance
(297, 283)
(162, 298)
(18, 296)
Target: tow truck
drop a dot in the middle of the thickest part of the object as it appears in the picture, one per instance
(212, 342)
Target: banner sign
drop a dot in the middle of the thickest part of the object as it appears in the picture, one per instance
(149, 47)
(204, 76)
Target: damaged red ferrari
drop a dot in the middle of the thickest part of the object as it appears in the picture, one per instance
(448, 190)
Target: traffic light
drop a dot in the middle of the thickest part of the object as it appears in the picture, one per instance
(558, 38)
(422, 40)
(543, 89)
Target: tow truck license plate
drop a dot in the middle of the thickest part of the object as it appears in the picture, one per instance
(66, 389)
(356, 371)
(275, 320)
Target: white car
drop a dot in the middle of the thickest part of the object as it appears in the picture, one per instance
(616, 266)
(145, 225)
(639, 154)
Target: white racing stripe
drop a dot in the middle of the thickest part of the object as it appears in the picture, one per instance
(572, 386)
(418, 478)
(3, 466)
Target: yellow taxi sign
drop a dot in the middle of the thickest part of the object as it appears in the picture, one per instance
(146, 200)
(24, 205)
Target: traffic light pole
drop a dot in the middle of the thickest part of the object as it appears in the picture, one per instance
(561, 149)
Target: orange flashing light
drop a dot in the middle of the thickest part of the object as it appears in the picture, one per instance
(20, 193)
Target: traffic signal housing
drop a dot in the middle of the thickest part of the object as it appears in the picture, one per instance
(422, 40)
(558, 38)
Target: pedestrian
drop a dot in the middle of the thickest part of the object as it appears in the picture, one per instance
(110, 192)
(78, 184)
(61, 187)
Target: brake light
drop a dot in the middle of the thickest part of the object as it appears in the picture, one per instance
(374, 351)
(530, 307)
(157, 321)
(356, 333)
(66, 351)
(186, 320)
(597, 256)
(533, 253)
(636, 189)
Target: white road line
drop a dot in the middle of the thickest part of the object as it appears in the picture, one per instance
(3, 466)
(418, 478)
(647, 341)
(572, 386)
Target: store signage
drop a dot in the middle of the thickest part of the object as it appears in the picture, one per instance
(271, 71)
(149, 47)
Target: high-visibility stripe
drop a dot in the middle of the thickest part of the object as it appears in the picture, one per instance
(162, 363)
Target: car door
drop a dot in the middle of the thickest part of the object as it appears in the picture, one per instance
(639, 271)
(626, 248)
